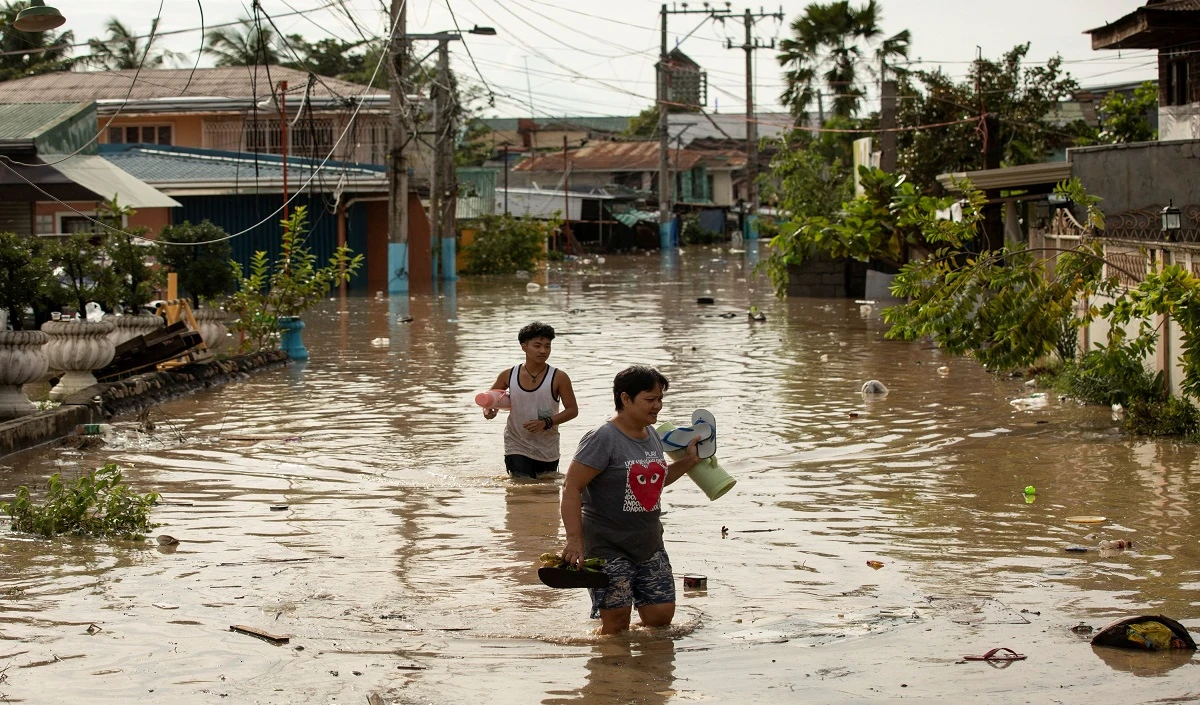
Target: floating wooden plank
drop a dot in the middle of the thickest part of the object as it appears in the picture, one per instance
(260, 633)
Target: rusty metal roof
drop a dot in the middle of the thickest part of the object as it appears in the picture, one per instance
(227, 82)
(632, 156)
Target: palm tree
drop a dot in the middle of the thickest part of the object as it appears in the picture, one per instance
(124, 50)
(252, 45)
(44, 51)
(830, 43)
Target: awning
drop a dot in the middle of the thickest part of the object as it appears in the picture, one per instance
(98, 175)
(632, 217)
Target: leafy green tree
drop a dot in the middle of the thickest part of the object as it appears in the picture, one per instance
(24, 272)
(1016, 99)
(200, 255)
(1123, 118)
(129, 251)
(123, 49)
(884, 224)
(644, 125)
(831, 48)
(505, 244)
(46, 52)
(79, 263)
(245, 44)
(333, 57)
(808, 177)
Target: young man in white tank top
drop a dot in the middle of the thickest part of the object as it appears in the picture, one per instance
(536, 390)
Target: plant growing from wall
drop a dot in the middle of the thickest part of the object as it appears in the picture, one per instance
(98, 504)
(505, 244)
(200, 255)
(286, 287)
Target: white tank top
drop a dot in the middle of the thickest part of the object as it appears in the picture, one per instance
(527, 405)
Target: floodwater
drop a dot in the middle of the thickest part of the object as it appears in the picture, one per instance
(404, 562)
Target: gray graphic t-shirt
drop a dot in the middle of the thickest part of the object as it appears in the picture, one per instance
(620, 506)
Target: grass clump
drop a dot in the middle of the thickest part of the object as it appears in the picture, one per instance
(97, 505)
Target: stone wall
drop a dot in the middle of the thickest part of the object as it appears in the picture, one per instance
(104, 401)
(823, 277)
(1139, 175)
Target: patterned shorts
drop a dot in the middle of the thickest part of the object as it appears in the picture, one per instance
(629, 583)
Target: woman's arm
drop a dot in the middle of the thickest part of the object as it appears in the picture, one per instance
(571, 507)
(679, 468)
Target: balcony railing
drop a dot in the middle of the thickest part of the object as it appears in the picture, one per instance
(365, 142)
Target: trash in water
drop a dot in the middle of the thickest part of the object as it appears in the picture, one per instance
(522, 274)
(705, 300)
(1147, 632)
(92, 429)
(599, 260)
(553, 287)
(865, 310)
(824, 358)
(874, 388)
(1082, 629)
(755, 315)
(1076, 548)
(1086, 519)
(875, 564)
(279, 507)
(379, 296)
(1116, 545)
(167, 540)
(1031, 383)
(1033, 401)
(943, 370)
(1030, 489)
(532, 286)
(380, 342)
(404, 319)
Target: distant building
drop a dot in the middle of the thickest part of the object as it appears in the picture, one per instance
(1173, 28)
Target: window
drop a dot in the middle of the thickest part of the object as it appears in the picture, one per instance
(140, 134)
(70, 224)
(306, 138)
(45, 224)
(1176, 90)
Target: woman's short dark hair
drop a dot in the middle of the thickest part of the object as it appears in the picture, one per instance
(537, 329)
(636, 379)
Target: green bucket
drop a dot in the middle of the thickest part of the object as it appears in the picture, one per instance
(708, 474)
(712, 478)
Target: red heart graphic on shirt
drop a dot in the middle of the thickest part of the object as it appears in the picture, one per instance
(646, 481)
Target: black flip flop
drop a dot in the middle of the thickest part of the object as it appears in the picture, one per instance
(567, 578)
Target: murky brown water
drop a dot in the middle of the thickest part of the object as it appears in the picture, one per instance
(405, 561)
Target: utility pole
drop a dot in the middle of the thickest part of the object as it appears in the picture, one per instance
(397, 258)
(666, 184)
(887, 120)
(752, 43)
(444, 187)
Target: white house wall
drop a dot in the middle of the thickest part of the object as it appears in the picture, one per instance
(1179, 122)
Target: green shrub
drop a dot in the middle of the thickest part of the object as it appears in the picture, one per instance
(505, 244)
(1110, 375)
(98, 505)
(204, 270)
(1172, 416)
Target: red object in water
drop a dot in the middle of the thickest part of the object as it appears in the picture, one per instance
(494, 399)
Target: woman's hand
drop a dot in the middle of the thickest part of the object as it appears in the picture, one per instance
(490, 413)
(572, 553)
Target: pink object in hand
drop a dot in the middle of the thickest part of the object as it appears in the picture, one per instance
(494, 399)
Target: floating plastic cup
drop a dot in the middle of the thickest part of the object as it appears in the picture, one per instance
(712, 478)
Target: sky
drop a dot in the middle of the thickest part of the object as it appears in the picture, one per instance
(574, 57)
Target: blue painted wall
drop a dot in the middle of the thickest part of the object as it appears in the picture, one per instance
(238, 213)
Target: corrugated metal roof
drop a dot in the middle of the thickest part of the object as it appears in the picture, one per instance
(1181, 5)
(598, 123)
(225, 82)
(28, 121)
(633, 156)
(175, 165)
(611, 156)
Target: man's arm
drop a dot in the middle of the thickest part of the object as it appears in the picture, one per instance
(566, 393)
(570, 506)
(500, 383)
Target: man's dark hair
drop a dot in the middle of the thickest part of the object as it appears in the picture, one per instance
(537, 329)
(633, 380)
